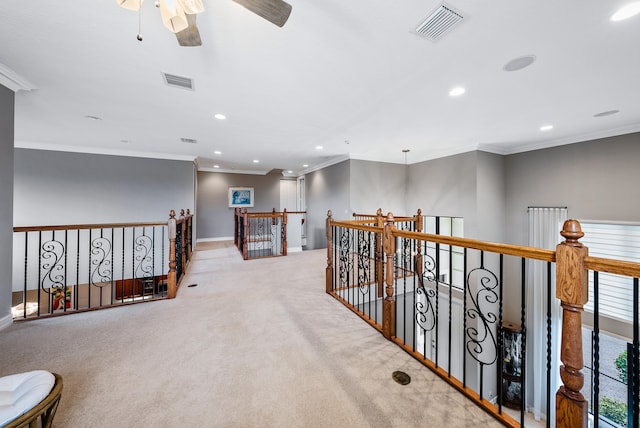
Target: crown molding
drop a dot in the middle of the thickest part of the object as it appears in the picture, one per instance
(546, 144)
(325, 164)
(101, 151)
(13, 80)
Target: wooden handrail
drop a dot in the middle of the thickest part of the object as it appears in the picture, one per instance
(618, 267)
(86, 226)
(507, 249)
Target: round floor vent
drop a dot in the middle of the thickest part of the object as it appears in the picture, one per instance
(401, 377)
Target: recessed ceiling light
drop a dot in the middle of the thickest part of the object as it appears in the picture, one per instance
(457, 91)
(546, 128)
(319, 147)
(606, 113)
(256, 161)
(289, 172)
(216, 166)
(90, 117)
(305, 166)
(626, 11)
(220, 116)
(519, 63)
(217, 152)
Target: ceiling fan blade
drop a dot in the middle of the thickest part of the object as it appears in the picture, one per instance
(274, 11)
(190, 36)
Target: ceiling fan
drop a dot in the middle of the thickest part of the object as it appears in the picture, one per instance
(179, 16)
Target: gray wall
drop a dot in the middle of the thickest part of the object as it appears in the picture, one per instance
(376, 185)
(75, 188)
(6, 202)
(446, 187)
(596, 180)
(327, 189)
(490, 220)
(215, 218)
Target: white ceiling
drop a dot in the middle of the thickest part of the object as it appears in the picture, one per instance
(338, 71)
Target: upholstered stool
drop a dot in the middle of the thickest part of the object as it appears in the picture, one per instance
(27, 397)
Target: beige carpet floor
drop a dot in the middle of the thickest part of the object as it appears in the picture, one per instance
(256, 344)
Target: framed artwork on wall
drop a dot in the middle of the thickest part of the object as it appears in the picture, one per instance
(240, 197)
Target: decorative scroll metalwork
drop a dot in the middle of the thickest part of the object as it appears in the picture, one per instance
(345, 265)
(101, 272)
(482, 344)
(425, 312)
(364, 263)
(51, 266)
(143, 248)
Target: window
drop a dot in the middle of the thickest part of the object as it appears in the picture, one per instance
(450, 263)
(615, 241)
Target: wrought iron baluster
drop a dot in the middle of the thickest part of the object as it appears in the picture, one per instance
(635, 355)
(464, 318)
(26, 269)
(482, 344)
(549, 289)
(523, 317)
(77, 284)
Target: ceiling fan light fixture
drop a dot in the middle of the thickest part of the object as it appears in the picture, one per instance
(173, 16)
(130, 4)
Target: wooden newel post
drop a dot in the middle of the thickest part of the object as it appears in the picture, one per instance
(189, 227)
(284, 232)
(379, 218)
(172, 281)
(183, 240)
(245, 236)
(329, 270)
(379, 260)
(572, 288)
(388, 304)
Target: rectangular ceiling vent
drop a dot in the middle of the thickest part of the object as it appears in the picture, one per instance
(439, 22)
(178, 81)
(189, 140)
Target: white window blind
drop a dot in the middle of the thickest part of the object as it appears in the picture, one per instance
(613, 241)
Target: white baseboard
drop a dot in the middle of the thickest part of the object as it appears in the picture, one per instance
(294, 249)
(6, 321)
(224, 238)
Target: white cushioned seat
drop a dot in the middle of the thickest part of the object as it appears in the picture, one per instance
(19, 393)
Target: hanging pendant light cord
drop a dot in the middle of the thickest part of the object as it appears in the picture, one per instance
(139, 36)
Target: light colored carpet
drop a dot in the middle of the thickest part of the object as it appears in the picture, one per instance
(256, 344)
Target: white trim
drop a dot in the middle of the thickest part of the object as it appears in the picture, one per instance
(13, 80)
(294, 250)
(233, 171)
(223, 238)
(6, 321)
(101, 151)
(325, 164)
(558, 142)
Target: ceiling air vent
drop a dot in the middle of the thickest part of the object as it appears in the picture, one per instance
(439, 22)
(189, 140)
(178, 81)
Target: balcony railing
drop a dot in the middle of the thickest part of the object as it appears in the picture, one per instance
(71, 268)
(260, 234)
(459, 306)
